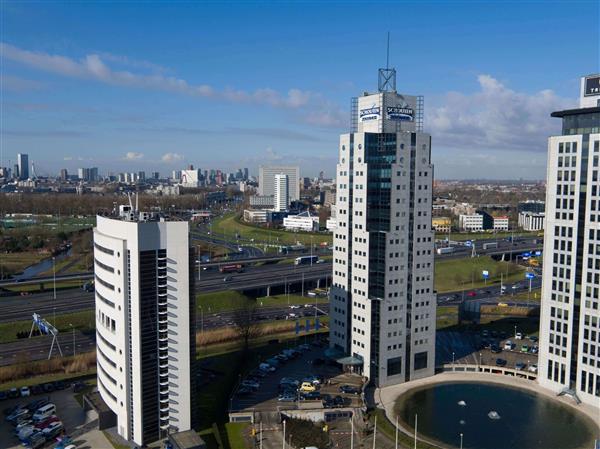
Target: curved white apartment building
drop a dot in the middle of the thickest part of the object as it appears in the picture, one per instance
(145, 323)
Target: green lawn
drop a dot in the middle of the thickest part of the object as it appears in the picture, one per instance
(231, 300)
(229, 225)
(82, 321)
(466, 273)
(389, 430)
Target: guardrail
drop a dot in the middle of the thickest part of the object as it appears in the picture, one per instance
(489, 369)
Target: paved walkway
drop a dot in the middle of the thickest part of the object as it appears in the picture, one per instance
(386, 397)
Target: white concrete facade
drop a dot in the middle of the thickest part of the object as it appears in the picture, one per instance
(531, 221)
(266, 180)
(569, 356)
(301, 222)
(144, 325)
(470, 223)
(500, 223)
(382, 303)
(282, 193)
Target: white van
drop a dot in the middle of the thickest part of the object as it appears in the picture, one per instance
(44, 412)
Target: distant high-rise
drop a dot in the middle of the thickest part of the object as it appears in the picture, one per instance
(155, 175)
(246, 174)
(23, 163)
(281, 198)
(383, 304)
(266, 180)
(64, 175)
(569, 354)
(145, 323)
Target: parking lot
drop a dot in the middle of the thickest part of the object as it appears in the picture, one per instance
(68, 411)
(485, 348)
(310, 362)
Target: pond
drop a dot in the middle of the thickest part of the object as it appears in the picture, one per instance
(491, 416)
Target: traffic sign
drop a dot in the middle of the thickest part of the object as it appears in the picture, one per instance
(485, 274)
(538, 253)
(526, 254)
(529, 275)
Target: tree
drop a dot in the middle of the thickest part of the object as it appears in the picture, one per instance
(246, 324)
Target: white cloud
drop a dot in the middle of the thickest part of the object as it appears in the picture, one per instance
(171, 157)
(95, 67)
(133, 156)
(495, 117)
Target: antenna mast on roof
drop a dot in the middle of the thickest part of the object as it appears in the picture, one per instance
(387, 76)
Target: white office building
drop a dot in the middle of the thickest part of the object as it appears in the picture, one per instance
(281, 197)
(301, 222)
(531, 221)
(471, 222)
(501, 223)
(266, 180)
(145, 323)
(383, 306)
(569, 355)
(190, 178)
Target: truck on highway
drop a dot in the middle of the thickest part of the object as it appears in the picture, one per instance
(232, 268)
(490, 245)
(306, 260)
(445, 250)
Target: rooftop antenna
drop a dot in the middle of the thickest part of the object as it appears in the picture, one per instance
(387, 76)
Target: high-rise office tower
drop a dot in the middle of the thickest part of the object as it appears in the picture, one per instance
(569, 354)
(23, 163)
(64, 174)
(266, 180)
(383, 306)
(145, 323)
(281, 197)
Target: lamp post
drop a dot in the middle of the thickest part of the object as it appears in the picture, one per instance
(54, 288)
(461, 441)
(452, 360)
(283, 446)
(73, 329)
(515, 331)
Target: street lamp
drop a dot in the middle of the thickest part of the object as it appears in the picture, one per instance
(452, 360)
(461, 441)
(73, 329)
(515, 331)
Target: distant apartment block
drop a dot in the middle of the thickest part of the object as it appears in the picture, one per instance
(281, 197)
(261, 201)
(23, 164)
(266, 180)
(531, 221)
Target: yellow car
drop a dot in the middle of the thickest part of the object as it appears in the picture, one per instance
(502, 304)
(307, 387)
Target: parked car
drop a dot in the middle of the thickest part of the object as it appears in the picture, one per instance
(471, 294)
(46, 422)
(349, 389)
(328, 401)
(22, 424)
(495, 349)
(314, 379)
(13, 393)
(37, 389)
(34, 405)
(524, 348)
(3, 395)
(59, 385)
(250, 384)
(307, 387)
(289, 381)
(25, 392)
(44, 412)
(26, 432)
(19, 415)
(53, 429)
(534, 339)
(36, 440)
(533, 368)
(534, 349)
(339, 401)
(508, 345)
(501, 362)
(520, 366)
(48, 388)
(287, 397)
(311, 396)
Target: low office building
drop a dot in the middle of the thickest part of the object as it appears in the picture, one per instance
(531, 221)
(500, 223)
(441, 224)
(145, 323)
(255, 216)
(470, 223)
(301, 222)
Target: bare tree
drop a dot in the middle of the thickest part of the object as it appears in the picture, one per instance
(246, 324)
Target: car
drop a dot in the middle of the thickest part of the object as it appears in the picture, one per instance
(495, 349)
(59, 385)
(13, 393)
(257, 373)
(339, 401)
(485, 333)
(48, 388)
(307, 387)
(501, 362)
(37, 389)
(304, 347)
(520, 366)
(25, 392)
(53, 429)
(508, 345)
(227, 278)
(22, 424)
(34, 405)
(289, 381)
(311, 396)
(10, 410)
(534, 339)
(18, 415)
(247, 383)
(46, 422)
(471, 294)
(26, 432)
(3, 395)
(524, 348)
(287, 397)
(532, 368)
(294, 306)
(534, 349)
(78, 386)
(314, 379)
(349, 389)
(38, 440)
(518, 336)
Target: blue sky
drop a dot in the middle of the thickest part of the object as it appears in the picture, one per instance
(155, 86)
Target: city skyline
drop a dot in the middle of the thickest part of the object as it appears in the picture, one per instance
(73, 96)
